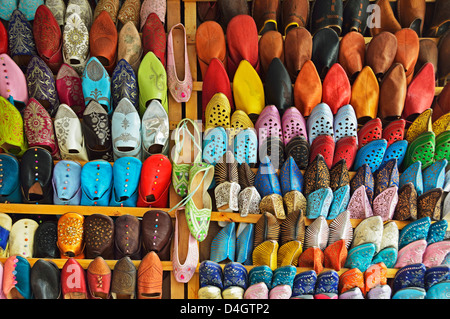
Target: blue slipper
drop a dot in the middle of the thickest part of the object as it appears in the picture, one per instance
(223, 246)
(304, 283)
(372, 154)
(246, 147)
(396, 150)
(215, 145)
(125, 190)
(415, 230)
(319, 202)
(436, 274)
(437, 231)
(291, 178)
(345, 123)
(259, 274)
(410, 293)
(10, 190)
(320, 122)
(413, 174)
(244, 245)
(439, 291)
(96, 84)
(434, 175)
(284, 276)
(210, 274)
(387, 255)
(96, 183)
(327, 282)
(124, 84)
(341, 198)
(412, 275)
(266, 179)
(360, 256)
(235, 275)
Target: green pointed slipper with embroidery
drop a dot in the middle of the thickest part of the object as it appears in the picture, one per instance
(187, 151)
(421, 149)
(12, 136)
(199, 203)
(442, 146)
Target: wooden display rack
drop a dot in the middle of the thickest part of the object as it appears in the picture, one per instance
(178, 11)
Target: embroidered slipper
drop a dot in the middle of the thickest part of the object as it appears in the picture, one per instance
(406, 208)
(414, 231)
(442, 150)
(386, 176)
(434, 175)
(316, 176)
(360, 256)
(369, 230)
(413, 174)
(420, 125)
(341, 199)
(364, 177)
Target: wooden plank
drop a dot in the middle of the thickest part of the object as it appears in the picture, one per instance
(190, 20)
(173, 9)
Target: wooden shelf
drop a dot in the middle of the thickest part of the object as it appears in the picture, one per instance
(167, 265)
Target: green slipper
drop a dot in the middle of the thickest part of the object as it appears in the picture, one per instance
(442, 150)
(187, 150)
(421, 149)
(152, 79)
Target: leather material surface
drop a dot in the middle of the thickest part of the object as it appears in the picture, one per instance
(155, 181)
(45, 280)
(294, 13)
(45, 239)
(297, 50)
(242, 43)
(99, 236)
(355, 16)
(278, 86)
(103, 38)
(325, 50)
(96, 183)
(387, 43)
(327, 14)
(392, 101)
(36, 176)
(307, 88)
(48, 38)
(127, 237)
(96, 127)
(159, 241)
(10, 190)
